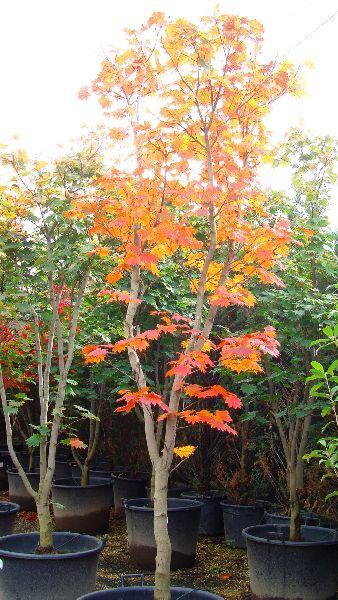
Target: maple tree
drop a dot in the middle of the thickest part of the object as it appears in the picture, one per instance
(298, 310)
(185, 105)
(48, 269)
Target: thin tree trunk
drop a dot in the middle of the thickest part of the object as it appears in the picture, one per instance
(295, 520)
(85, 473)
(244, 449)
(163, 544)
(45, 528)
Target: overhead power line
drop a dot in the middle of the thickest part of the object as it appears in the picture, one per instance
(311, 33)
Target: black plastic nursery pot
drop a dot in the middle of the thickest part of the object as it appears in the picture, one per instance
(183, 522)
(18, 492)
(23, 458)
(4, 462)
(307, 518)
(8, 513)
(284, 570)
(96, 472)
(236, 518)
(127, 487)
(64, 575)
(175, 490)
(137, 592)
(211, 522)
(85, 509)
(62, 469)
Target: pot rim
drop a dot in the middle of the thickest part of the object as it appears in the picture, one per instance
(12, 508)
(103, 482)
(140, 588)
(208, 495)
(28, 556)
(16, 472)
(145, 477)
(250, 506)
(281, 528)
(193, 505)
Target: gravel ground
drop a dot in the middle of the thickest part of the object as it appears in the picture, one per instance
(219, 568)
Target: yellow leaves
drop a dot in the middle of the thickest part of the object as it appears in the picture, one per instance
(251, 364)
(252, 103)
(40, 165)
(22, 156)
(267, 159)
(184, 451)
(309, 64)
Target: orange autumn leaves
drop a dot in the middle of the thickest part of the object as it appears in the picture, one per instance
(241, 353)
(212, 111)
(186, 105)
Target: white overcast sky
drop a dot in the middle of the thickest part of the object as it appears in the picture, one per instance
(50, 48)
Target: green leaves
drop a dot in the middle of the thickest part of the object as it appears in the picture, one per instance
(317, 367)
(34, 440)
(86, 413)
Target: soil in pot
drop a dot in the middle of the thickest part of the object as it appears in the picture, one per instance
(183, 523)
(86, 509)
(211, 522)
(127, 487)
(8, 513)
(147, 593)
(65, 575)
(18, 492)
(236, 518)
(284, 570)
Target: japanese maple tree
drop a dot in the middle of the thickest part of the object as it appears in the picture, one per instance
(186, 106)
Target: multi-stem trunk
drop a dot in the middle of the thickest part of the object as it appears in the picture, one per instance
(163, 545)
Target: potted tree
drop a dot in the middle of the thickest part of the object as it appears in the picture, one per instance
(209, 218)
(45, 286)
(308, 554)
(82, 501)
(311, 560)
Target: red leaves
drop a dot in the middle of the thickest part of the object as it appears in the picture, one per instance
(269, 277)
(243, 353)
(224, 297)
(65, 297)
(143, 396)
(216, 420)
(197, 391)
(83, 93)
(6, 333)
(94, 353)
(189, 362)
